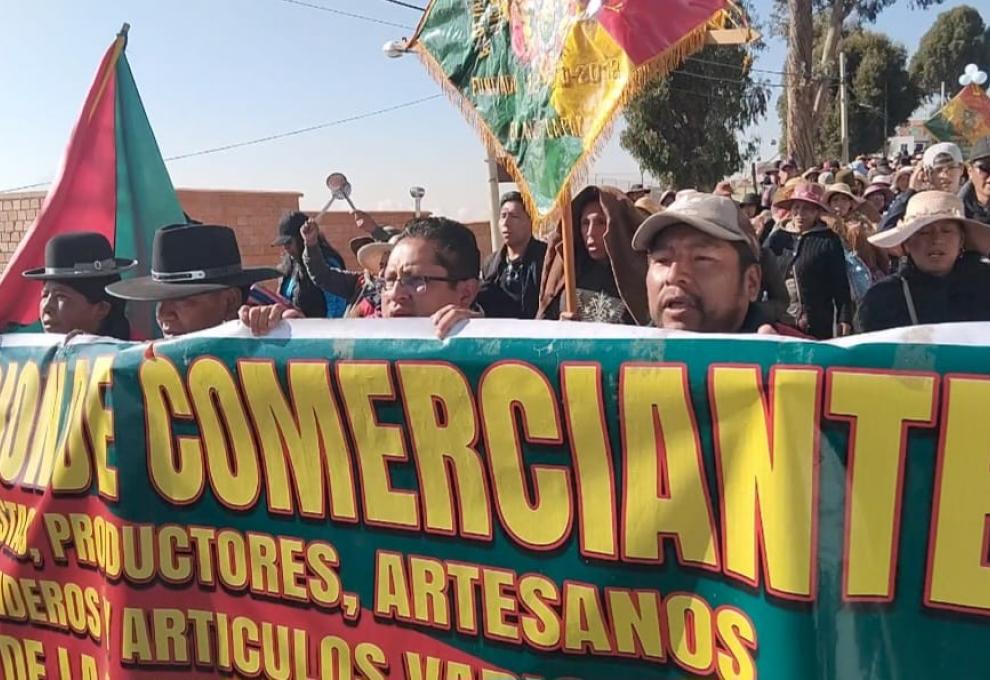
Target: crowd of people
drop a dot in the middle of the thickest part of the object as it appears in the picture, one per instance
(820, 253)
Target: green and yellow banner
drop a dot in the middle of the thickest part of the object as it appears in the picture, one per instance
(521, 501)
(541, 80)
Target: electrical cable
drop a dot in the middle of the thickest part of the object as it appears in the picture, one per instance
(268, 138)
(406, 5)
(350, 15)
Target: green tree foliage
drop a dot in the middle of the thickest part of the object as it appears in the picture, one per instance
(881, 95)
(684, 128)
(958, 37)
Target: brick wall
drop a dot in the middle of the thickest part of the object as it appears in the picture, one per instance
(254, 215)
(17, 213)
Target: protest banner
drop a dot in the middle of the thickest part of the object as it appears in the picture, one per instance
(361, 500)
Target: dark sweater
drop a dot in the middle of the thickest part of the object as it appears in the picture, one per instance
(502, 301)
(961, 295)
(819, 266)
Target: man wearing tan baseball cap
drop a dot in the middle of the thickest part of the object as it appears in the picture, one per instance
(703, 268)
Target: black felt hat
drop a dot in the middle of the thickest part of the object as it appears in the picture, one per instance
(191, 259)
(80, 255)
(288, 228)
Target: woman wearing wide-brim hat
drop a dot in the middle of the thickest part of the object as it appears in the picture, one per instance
(812, 259)
(78, 268)
(855, 220)
(880, 195)
(942, 278)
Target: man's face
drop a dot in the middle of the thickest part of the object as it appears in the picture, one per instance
(786, 173)
(514, 224)
(198, 312)
(750, 210)
(694, 282)
(63, 309)
(593, 228)
(979, 175)
(946, 177)
(902, 182)
(415, 285)
(804, 216)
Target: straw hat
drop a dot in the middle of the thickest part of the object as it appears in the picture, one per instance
(840, 189)
(879, 188)
(370, 255)
(648, 205)
(933, 206)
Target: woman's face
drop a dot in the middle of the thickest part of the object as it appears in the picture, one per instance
(935, 248)
(841, 204)
(63, 309)
(878, 200)
(804, 216)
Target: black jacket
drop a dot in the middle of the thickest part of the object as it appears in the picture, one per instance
(495, 301)
(819, 263)
(974, 209)
(962, 295)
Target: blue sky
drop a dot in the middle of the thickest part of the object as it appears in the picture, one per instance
(224, 71)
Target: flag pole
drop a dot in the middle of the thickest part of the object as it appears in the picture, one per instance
(567, 241)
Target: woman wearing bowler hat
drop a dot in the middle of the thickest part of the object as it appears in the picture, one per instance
(78, 268)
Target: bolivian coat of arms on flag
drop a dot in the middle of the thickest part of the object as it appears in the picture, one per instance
(541, 80)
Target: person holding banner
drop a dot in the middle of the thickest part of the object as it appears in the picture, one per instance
(704, 272)
(78, 268)
(432, 272)
(942, 278)
(608, 273)
(196, 278)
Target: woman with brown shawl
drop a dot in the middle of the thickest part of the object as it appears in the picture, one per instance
(610, 276)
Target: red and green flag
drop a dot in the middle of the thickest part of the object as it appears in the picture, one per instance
(112, 181)
(542, 80)
(964, 119)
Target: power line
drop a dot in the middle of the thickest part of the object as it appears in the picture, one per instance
(340, 12)
(269, 138)
(406, 5)
(755, 70)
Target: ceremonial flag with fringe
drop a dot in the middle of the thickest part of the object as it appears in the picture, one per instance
(964, 119)
(112, 181)
(542, 80)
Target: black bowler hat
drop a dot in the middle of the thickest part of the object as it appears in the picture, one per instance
(191, 259)
(288, 228)
(80, 255)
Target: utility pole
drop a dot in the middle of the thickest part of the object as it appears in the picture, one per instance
(843, 108)
(885, 138)
(941, 100)
(493, 188)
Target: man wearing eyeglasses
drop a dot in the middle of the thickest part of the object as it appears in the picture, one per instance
(975, 194)
(432, 271)
(941, 169)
